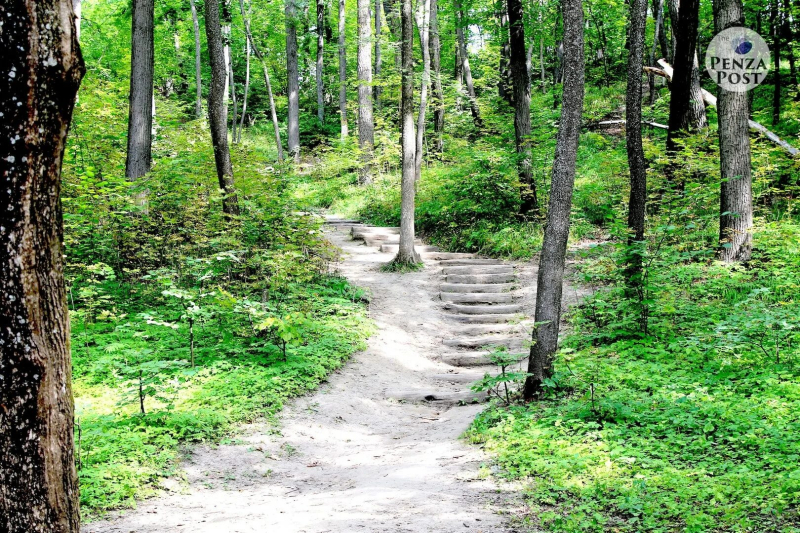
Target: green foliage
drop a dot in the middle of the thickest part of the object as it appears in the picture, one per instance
(498, 385)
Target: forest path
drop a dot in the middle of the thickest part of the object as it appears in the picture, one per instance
(351, 457)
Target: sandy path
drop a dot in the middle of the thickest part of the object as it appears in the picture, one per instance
(346, 458)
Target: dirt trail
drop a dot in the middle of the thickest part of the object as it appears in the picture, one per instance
(349, 457)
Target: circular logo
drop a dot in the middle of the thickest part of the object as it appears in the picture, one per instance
(737, 59)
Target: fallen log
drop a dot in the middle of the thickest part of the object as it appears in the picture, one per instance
(711, 100)
(622, 121)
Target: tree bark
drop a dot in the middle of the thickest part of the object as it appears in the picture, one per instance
(554, 248)
(658, 13)
(633, 136)
(320, 60)
(76, 9)
(42, 70)
(686, 111)
(366, 128)
(216, 108)
(232, 83)
(246, 87)
(260, 57)
(198, 108)
(140, 114)
(293, 83)
(342, 71)
(736, 199)
(423, 26)
(377, 89)
(521, 83)
(407, 254)
(504, 84)
(466, 71)
(438, 92)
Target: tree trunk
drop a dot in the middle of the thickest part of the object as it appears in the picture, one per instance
(342, 71)
(320, 60)
(42, 69)
(216, 108)
(438, 92)
(366, 128)
(293, 83)
(504, 85)
(76, 9)
(233, 95)
(226, 41)
(466, 71)
(521, 82)
(246, 87)
(736, 199)
(423, 26)
(198, 108)
(541, 63)
(554, 248)
(775, 25)
(257, 52)
(407, 254)
(140, 114)
(686, 111)
(377, 89)
(658, 13)
(633, 137)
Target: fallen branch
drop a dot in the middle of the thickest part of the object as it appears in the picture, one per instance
(622, 121)
(711, 100)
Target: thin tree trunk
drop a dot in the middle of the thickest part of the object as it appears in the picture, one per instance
(293, 83)
(438, 92)
(342, 71)
(366, 128)
(198, 108)
(320, 60)
(466, 71)
(140, 114)
(226, 42)
(376, 78)
(257, 52)
(736, 198)
(541, 63)
(554, 248)
(504, 89)
(775, 24)
(42, 70)
(233, 96)
(76, 9)
(788, 36)
(658, 12)
(246, 87)
(633, 137)
(521, 83)
(216, 108)
(407, 254)
(423, 26)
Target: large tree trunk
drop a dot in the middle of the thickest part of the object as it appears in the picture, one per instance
(423, 26)
(198, 108)
(342, 71)
(366, 128)
(686, 111)
(376, 78)
(522, 105)
(292, 81)
(42, 69)
(216, 108)
(554, 248)
(257, 52)
(320, 60)
(140, 115)
(633, 137)
(466, 71)
(407, 254)
(736, 200)
(436, 64)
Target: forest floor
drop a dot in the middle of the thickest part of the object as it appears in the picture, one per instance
(348, 457)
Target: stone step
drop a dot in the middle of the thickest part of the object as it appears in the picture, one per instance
(477, 297)
(460, 377)
(485, 329)
(379, 242)
(470, 359)
(484, 309)
(481, 319)
(480, 278)
(478, 270)
(446, 256)
(368, 231)
(442, 397)
(471, 262)
(476, 287)
(486, 340)
(335, 221)
(394, 248)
